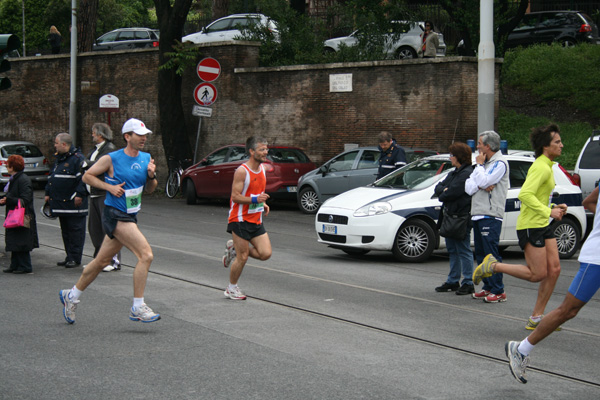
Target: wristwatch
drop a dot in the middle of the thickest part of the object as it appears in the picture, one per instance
(153, 178)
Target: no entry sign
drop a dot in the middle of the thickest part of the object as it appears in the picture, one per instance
(208, 69)
(205, 94)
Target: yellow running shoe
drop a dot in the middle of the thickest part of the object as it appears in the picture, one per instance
(531, 325)
(484, 270)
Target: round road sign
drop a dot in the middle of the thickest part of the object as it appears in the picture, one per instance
(208, 69)
(205, 94)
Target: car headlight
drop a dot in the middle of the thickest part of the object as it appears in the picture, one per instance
(382, 207)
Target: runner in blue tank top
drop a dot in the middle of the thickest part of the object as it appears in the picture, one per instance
(128, 172)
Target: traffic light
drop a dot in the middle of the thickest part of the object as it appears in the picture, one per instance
(8, 43)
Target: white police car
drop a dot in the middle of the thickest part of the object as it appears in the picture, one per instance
(398, 213)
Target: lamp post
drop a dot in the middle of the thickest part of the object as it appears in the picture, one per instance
(486, 58)
(73, 101)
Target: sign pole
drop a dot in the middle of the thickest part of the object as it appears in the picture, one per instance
(197, 138)
(205, 94)
(109, 104)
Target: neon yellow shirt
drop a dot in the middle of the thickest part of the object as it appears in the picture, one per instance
(535, 195)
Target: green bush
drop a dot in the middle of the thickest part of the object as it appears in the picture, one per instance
(515, 128)
(557, 73)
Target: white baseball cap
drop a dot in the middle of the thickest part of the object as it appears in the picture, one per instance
(135, 126)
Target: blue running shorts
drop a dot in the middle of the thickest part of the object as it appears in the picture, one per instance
(586, 283)
(111, 216)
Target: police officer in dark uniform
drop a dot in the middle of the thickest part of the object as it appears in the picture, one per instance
(67, 197)
(392, 155)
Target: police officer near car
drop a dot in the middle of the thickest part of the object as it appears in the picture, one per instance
(392, 155)
(66, 195)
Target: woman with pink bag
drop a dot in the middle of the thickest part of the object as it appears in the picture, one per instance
(19, 241)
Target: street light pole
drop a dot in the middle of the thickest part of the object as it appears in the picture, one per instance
(73, 102)
(486, 58)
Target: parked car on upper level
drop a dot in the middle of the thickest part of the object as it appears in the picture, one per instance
(399, 212)
(565, 27)
(230, 28)
(403, 43)
(348, 170)
(37, 166)
(587, 168)
(128, 39)
(212, 177)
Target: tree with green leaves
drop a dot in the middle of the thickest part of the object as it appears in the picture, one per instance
(87, 16)
(464, 15)
(171, 17)
(95, 17)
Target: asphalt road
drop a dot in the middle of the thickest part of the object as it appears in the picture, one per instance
(318, 324)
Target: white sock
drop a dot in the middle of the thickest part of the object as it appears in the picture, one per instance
(525, 347)
(137, 302)
(75, 293)
(536, 319)
(232, 286)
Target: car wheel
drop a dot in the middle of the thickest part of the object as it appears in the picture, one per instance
(414, 242)
(190, 192)
(568, 237)
(405, 53)
(568, 42)
(308, 201)
(355, 252)
(328, 50)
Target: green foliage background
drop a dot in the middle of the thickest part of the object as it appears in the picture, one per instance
(569, 75)
(41, 14)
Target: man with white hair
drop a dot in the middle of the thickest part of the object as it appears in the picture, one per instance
(488, 184)
(102, 137)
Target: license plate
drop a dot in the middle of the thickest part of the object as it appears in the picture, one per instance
(292, 189)
(330, 229)
(31, 165)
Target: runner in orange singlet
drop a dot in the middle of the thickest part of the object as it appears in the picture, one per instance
(247, 204)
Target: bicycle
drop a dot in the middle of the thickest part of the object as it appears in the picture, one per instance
(174, 179)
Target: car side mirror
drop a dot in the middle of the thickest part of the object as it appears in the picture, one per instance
(204, 162)
(323, 170)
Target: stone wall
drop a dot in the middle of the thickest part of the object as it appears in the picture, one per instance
(424, 103)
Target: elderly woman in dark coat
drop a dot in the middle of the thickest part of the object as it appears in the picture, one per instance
(20, 241)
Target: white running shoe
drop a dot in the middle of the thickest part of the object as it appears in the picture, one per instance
(143, 313)
(234, 293)
(517, 362)
(69, 306)
(229, 255)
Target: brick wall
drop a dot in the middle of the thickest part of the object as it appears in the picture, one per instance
(424, 103)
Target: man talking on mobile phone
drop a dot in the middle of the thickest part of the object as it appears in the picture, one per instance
(488, 184)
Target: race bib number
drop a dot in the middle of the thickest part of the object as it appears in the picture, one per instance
(256, 208)
(133, 200)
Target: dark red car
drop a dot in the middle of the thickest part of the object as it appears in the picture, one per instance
(212, 177)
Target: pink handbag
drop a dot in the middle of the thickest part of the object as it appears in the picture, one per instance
(16, 218)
